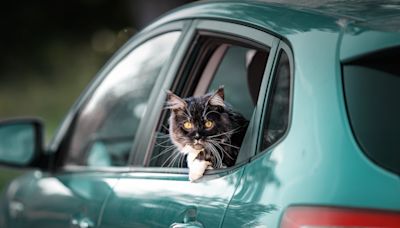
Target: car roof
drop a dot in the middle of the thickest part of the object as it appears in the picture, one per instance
(359, 23)
(371, 13)
(276, 18)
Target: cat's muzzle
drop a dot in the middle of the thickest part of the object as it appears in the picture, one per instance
(197, 145)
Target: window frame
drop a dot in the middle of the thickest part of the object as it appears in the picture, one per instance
(283, 47)
(58, 147)
(243, 34)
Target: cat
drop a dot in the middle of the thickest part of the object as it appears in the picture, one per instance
(206, 130)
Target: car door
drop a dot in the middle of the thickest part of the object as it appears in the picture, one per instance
(159, 194)
(95, 141)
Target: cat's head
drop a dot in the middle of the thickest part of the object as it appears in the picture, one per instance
(200, 122)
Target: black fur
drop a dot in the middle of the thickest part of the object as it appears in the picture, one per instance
(221, 143)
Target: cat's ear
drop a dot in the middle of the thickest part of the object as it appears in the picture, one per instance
(217, 98)
(174, 102)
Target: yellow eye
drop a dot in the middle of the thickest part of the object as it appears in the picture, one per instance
(187, 125)
(209, 124)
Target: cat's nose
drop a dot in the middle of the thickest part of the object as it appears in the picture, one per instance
(196, 136)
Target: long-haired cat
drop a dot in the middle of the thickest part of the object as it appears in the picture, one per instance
(206, 129)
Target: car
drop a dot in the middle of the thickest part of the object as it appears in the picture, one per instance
(319, 83)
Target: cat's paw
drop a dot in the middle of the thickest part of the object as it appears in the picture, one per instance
(197, 169)
(209, 165)
(193, 176)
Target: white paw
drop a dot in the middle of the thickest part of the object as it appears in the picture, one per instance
(197, 169)
(193, 176)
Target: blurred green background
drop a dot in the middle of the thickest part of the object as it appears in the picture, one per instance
(50, 50)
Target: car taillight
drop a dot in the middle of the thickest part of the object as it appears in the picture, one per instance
(302, 217)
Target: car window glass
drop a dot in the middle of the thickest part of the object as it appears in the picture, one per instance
(372, 92)
(236, 73)
(277, 114)
(106, 126)
(239, 69)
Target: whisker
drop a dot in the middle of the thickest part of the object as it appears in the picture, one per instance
(164, 145)
(226, 144)
(162, 142)
(165, 128)
(227, 132)
(165, 151)
(216, 156)
(187, 114)
(162, 135)
(181, 160)
(224, 133)
(230, 145)
(171, 163)
(166, 160)
(222, 150)
(205, 109)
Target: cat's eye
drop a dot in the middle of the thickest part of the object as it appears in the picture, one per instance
(209, 124)
(187, 125)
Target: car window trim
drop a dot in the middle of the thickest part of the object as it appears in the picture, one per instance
(242, 32)
(140, 147)
(283, 47)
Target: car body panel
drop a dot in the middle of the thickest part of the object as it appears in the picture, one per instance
(361, 42)
(145, 199)
(318, 163)
(44, 200)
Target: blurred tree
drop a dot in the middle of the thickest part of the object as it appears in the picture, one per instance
(50, 50)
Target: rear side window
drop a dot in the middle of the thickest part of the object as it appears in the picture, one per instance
(372, 93)
(276, 119)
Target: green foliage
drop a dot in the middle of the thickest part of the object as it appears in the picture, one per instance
(47, 93)
(7, 174)
(49, 96)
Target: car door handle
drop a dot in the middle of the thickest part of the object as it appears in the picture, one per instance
(16, 208)
(194, 224)
(82, 223)
(189, 221)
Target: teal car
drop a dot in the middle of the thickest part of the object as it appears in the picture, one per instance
(319, 84)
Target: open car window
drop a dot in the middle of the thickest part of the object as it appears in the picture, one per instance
(105, 128)
(215, 61)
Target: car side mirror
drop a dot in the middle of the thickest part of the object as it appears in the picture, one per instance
(21, 141)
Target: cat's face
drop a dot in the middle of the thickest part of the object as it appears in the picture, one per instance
(200, 122)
